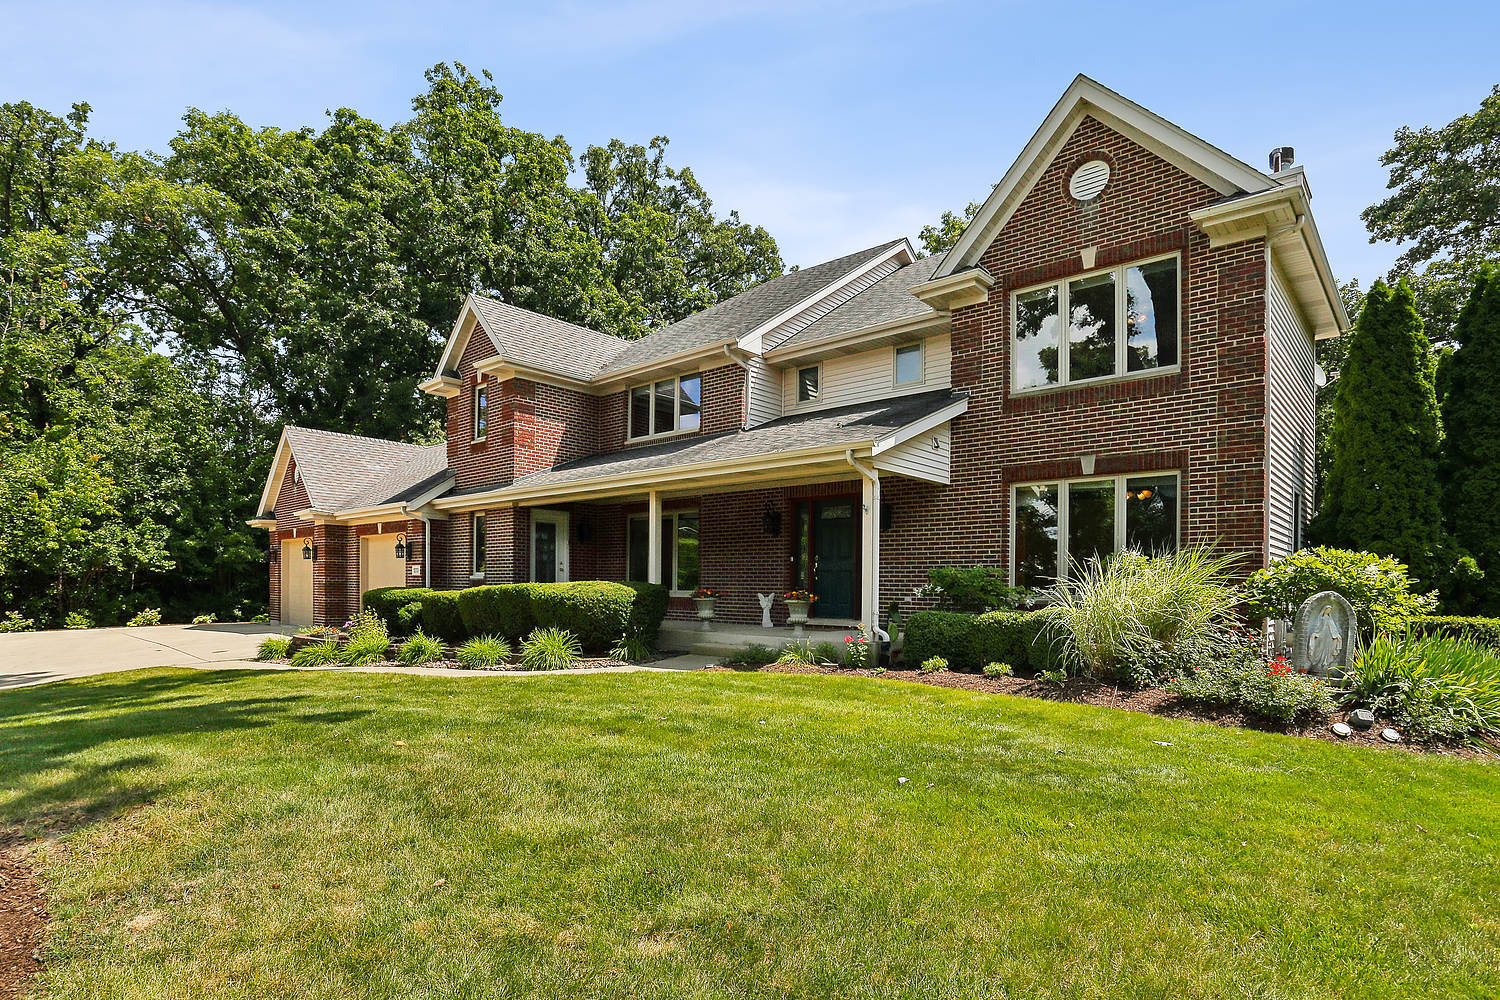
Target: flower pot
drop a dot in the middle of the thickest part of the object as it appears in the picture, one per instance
(705, 606)
(796, 614)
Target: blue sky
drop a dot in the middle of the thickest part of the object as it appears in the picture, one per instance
(834, 124)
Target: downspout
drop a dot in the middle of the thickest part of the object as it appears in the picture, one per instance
(872, 477)
(744, 395)
(426, 543)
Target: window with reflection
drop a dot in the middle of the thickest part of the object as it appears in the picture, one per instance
(1059, 525)
(666, 406)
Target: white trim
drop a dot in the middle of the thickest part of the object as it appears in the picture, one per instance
(656, 435)
(903, 434)
(1084, 96)
(279, 463)
(921, 349)
(968, 287)
(666, 571)
(752, 341)
(1063, 483)
(563, 521)
(443, 385)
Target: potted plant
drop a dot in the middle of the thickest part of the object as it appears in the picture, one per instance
(798, 603)
(703, 600)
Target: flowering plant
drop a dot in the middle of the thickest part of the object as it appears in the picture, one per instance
(1279, 668)
(705, 594)
(799, 595)
(857, 647)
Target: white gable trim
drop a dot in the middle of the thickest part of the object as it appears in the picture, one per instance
(458, 339)
(279, 463)
(752, 341)
(1213, 166)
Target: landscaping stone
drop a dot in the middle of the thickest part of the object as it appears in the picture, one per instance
(1361, 718)
(1390, 735)
(1343, 729)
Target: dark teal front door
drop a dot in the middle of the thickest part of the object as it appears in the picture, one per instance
(835, 545)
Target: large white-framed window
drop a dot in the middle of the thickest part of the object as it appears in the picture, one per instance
(476, 543)
(1118, 322)
(906, 366)
(481, 411)
(1057, 524)
(679, 549)
(666, 406)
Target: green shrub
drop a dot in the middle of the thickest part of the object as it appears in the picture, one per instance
(1055, 676)
(595, 611)
(501, 609)
(367, 648)
(998, 670)
(482, 652)
(968, 642)
(146, 616)
(1377, 587)
(207, 619)
(367, 627)
(1484, 631)
(550, 649)
(753, 655)
(974, 589)
(273, 647)
(420, 649)
(75, 619)
(828, 652)
(319, 654)
(934, 665)
(647, 610)
(1235, 674)
(13, 622)
(630, 649)
(441, 617)
(1434, 687)
(400, 607)
(1112, 612)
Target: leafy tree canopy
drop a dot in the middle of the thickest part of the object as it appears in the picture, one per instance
(941, 237)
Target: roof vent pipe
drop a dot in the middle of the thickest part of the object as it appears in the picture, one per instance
(1282, 157)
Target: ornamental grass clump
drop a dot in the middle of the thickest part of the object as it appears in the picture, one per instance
(420, 649)
(550, 649)
(798, 653)
(273, 647)
(1113, 613)
(630, 649)
(319, 654)
(1433, 687)
(483, 652)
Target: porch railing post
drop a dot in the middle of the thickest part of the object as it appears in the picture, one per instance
(653, 537)
(870, 563)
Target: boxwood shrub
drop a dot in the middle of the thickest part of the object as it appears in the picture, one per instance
(647, 610)
(1484, 631)
(441, 617)
(502, 609)
(968, 642)
(399, 607)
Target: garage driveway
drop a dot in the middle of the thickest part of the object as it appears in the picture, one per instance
(39, 657)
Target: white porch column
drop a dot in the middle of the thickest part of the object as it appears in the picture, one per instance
(653, 537)
(870, 554)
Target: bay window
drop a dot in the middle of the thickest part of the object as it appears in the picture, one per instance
(1105, 324)
(666, 406)
(679, 550)
(1056, 525)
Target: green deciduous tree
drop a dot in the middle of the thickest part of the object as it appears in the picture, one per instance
(1383, 491)
(941, 237)
(1471, 414)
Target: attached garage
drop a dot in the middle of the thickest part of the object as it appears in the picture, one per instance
(296, 584)
(379, 566)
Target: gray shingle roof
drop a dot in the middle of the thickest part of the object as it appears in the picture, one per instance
(344, 471)
(854, 424)
(888, 300)
(733, 318)
(544, 343)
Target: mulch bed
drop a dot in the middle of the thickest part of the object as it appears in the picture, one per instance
(23, 921)
(1156, 701)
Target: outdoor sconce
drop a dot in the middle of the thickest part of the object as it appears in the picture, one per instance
(400, 546)
(771, 520)
(309, 550)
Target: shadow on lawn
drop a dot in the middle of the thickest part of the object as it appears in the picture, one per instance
(49, 727)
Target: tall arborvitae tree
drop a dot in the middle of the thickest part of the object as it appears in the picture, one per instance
(1383, 491)
(1471, 413)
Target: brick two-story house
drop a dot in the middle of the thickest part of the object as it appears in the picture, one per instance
(1118, 352)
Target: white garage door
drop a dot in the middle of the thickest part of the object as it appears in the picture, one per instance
(296, 584)
(378, 564)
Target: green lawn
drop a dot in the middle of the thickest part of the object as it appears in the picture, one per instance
(247, 834)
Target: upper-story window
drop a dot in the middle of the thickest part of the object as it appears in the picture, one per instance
(1121, 321)
(807, 384)
(665, 407)
(481, 412)
(908, 364)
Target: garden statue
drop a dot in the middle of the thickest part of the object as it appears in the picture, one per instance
(766, 600)
(1323, 634)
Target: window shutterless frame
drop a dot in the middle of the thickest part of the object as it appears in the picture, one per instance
(1122, 337)
(682, 388)
(476, 544)
(1064, 529)
(906, 351)
(809, 384)
(670, 529)
(481, 414)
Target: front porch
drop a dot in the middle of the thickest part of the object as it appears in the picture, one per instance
(724, 638)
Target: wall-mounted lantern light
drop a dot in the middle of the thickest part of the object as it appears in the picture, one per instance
(309, 550)
(400, 546)
(771, 520)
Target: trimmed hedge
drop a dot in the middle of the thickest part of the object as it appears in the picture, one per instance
(399, 607)
(968, 642)
(1484, 631)
(596, 611)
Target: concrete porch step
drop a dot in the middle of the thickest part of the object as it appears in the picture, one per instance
(722, 640)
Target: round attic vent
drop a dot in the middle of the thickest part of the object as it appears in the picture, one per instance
(1088, 180)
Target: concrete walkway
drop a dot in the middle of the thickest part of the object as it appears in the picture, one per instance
(28, 658)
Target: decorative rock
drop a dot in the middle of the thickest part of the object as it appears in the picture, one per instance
(1324, 634)
(1390, 736)
(1361, 718)
(1343, 729)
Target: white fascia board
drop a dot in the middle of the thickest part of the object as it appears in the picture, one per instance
(1085, 96)
(458, 338)
(636, 371)
(279, 463)
(935, 322)
(445, 386)
(751, 342)
(918, 427)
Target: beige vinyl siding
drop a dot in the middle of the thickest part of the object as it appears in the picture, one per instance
(826, 305)
(866, 375)
(927, 456)
(1291, 420)
(762, 392)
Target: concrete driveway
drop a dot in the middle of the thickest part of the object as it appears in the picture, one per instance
(39, 657)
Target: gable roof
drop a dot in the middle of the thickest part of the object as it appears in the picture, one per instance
(744, 314)
(1216, 168)
(529, 339)
(346, 471)
(887, 301)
